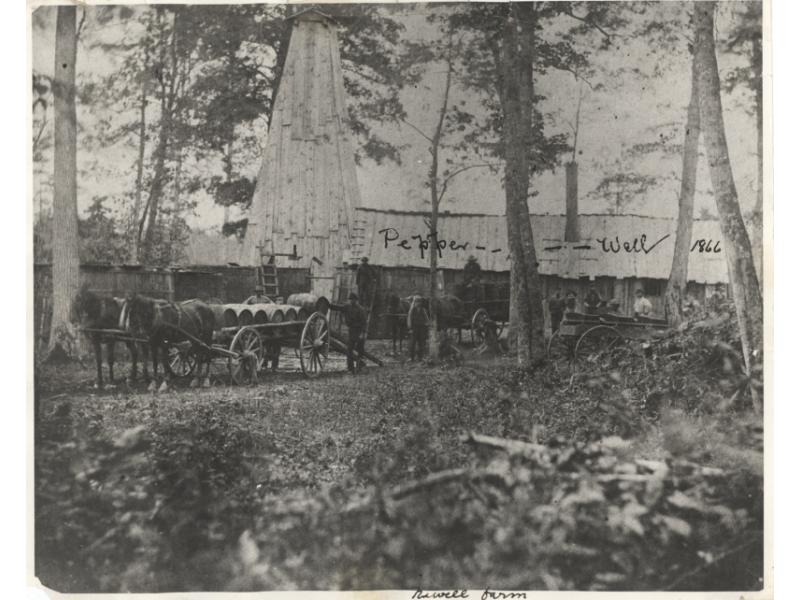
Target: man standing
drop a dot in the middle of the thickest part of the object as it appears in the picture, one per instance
(418, 324)
(642, 307)
(556, 307)
(356, 320)
(472, 271)
(364, 281)
(592, 301)
(571, 303)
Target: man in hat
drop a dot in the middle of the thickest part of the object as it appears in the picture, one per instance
(364, 280)
(259, 297)
(355, 317)
(418, 325)
(642, 307)
(472, 270)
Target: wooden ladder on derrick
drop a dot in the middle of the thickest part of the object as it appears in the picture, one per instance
(268, 274)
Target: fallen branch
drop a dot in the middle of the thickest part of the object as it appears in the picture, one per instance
(404, 490)
(509, 446)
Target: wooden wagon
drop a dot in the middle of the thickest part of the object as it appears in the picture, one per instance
(582, 338)
(486, 310)
(251, 336)
(481, 308)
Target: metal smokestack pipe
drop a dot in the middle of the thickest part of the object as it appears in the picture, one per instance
(572, 231)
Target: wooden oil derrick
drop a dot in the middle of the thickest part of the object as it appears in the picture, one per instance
(306, 193)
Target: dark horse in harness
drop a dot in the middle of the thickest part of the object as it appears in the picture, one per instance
(95, 312)
(164, 323)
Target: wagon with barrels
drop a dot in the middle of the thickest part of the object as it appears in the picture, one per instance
(582, 338)
(249, 337)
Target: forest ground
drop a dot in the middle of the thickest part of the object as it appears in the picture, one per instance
(109, 461)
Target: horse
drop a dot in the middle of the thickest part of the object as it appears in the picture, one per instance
(102, 312)
(164, 323)
(398, 309)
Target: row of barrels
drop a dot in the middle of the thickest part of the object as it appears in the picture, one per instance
(298, 307)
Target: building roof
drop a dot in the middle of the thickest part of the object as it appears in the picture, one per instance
(484, 236)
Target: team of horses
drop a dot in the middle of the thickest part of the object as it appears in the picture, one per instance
(149, 326)
(449, 311)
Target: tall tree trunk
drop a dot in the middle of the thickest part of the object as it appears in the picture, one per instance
(227, 163)
(436, 196)
(516, 95)
(137, 205)
(675, 293)
(168, 89)
(758, 210)
(66, 259)
(741, 270)
(147, 233)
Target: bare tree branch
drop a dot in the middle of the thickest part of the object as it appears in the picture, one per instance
(80, 24)
(450, 177)
(588, 22)
(418, 130)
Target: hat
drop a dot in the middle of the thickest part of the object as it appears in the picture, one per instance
(364, 259)
(639, 291)
(472, 258)
(353, 296)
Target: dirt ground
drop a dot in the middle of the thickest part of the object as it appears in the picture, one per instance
(329, 423)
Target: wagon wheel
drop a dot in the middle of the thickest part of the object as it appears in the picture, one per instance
(476, 326)
(314, 345)
(560, 352)
(595, 344)
(181, 361)
(249, 349)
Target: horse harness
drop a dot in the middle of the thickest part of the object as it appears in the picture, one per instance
(181, 313)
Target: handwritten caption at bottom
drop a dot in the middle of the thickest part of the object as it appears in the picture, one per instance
(463, 594)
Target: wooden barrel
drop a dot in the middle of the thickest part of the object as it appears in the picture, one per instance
(237, 315)
(302, 314)
(268, 313)
(289, 312)
(309, 302)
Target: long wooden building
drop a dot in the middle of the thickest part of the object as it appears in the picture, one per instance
(616, 253)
